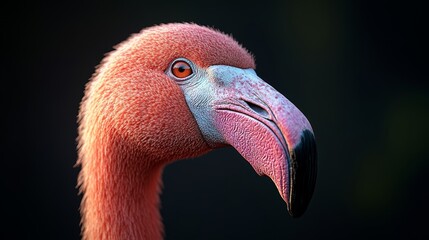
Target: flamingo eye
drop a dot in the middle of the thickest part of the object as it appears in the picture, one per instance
(181, 69)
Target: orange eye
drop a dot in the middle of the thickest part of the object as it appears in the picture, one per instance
(181, 69)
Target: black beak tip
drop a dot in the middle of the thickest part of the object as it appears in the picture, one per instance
(303, 169)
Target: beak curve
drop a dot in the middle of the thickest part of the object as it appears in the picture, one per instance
(243, 111)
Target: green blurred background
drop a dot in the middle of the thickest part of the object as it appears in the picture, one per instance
(357, 69)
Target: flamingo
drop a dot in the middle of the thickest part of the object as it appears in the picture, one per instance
(177, 91)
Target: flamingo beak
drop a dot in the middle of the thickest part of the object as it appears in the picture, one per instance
(241, 110)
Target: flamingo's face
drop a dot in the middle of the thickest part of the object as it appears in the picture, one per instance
(233, 106)
(178, 90)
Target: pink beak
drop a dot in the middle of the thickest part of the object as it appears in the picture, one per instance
(240, 109)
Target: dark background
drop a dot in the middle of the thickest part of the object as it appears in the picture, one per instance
(357, 69)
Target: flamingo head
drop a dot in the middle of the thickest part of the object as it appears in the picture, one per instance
(194, 89)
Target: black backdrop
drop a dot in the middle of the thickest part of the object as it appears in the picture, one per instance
(357, 69)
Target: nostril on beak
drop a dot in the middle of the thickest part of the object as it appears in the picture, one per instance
(258, 109)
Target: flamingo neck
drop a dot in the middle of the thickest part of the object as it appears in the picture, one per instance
(121, 197)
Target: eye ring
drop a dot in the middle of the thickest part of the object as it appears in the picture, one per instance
(181, 69)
